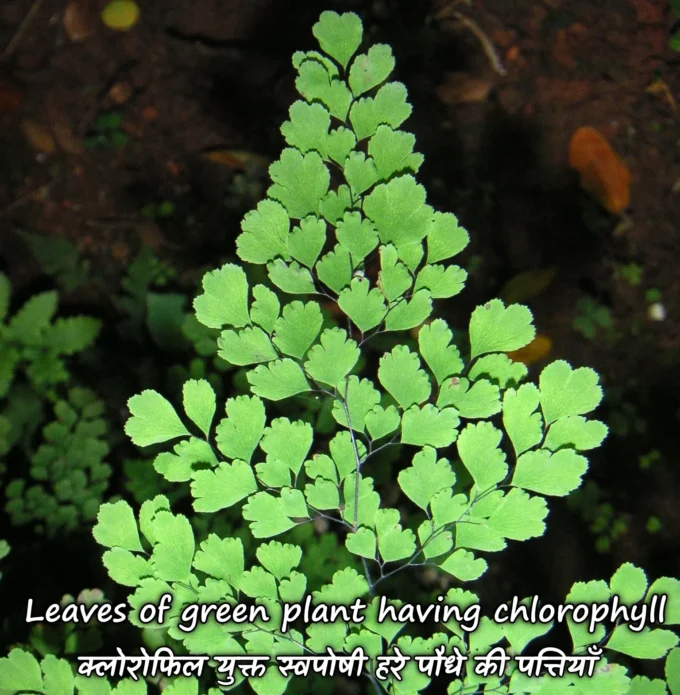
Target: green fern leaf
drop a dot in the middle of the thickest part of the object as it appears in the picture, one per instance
(335, 269)
(366, 308)
(400, 373)
(389, 106)
(429, 426)
(494, 328)
(240, 432)
(307, 240)
(221, 558)
(392, 152)
(339, 35)
(426, 477)
(307, 129)
(153, 420)
(300, 182)
(356, 235)
(222, 487)
(117, 527)
(224, 301)
(288, 442)
(399, 212)
(278, 380)
(394, 543)
(265, 234)
(332, 360)
(555, 474)
(566, 391)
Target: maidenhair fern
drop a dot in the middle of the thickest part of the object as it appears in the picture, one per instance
(33, 341)
(346, 225)
(68, 472)
(35, 349)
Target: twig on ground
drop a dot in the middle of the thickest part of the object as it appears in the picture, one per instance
(447, 10)
(487, 45)
(27, 197)
(23, 27)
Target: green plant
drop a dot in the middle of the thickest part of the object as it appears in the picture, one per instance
(372, 247)
(650, 459)
(58, 258)
(630, 273)
(158, 211)
(674, 41)
(654, 525)
(4, 551)
(145, 273)
(35, 349)
(107, 131)
(593, 316)
(604, 522)
(149, 311)
(35, 344)
(625, 418)
(653, 295)
(68, 467)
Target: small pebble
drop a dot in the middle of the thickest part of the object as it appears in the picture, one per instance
(656, 312)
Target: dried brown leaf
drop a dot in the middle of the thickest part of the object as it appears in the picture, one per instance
(602, 172)
(236, 159)
(538, 349)
(61, 128)
(120, 92)
(78, 20)
(460, 88)
(38, 136)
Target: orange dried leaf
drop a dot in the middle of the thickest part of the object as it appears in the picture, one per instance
(602, 173)
(173, 168)
(61, 128)
(38, 136)
(512, 54)
(78, 20)
(461, 88)
(65, 137)
(120, 92)
(236, 159)
(538, 349)
(149, 113)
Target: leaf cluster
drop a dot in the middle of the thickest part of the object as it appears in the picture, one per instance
(36, 343)
(68, 471)
(36, 347)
